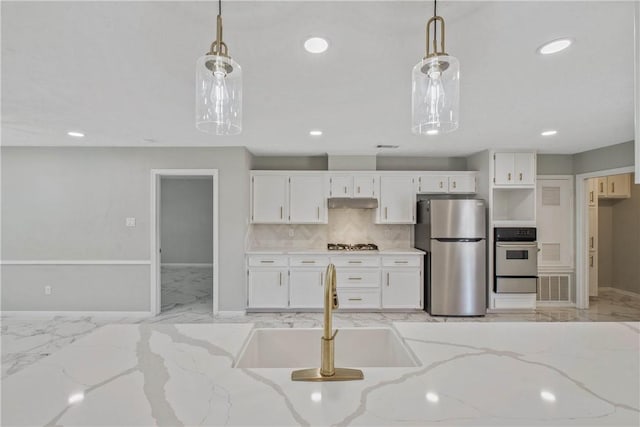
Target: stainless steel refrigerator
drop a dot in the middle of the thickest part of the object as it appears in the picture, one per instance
(453, 233)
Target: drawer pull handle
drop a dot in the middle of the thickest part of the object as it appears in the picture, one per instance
(308, 262)
(387, 280)
(355, 299)
(281, 279)
(441, 184)
(355, 278)
(454, 184)
(281, 212)
(613, 187)
(520, 176)
(591, 242)
(355, 262)
(509, 176)
(602, 187)
(385, 213)
(267, 262)
(358, 189)
(401, 262)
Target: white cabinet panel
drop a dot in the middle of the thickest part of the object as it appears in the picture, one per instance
(524, 170)
(307, 201)
(268, 288)
(554, 217)
(401, 288)
(359, 298)
(462, 184)
(269, 199)
(397, 200)
(364, 186)
(514, 168)
(307, 288)
(503, 168)
(341, 186)
(433, 184)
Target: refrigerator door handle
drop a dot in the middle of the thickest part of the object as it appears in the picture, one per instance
(444, 240)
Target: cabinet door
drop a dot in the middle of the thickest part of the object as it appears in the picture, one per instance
(401, 288)
(602, 186)
(462, 184)
(592, 188)
(525, 169)
(433, 184)
(619, 186)
(592, 242)
(503, 168)
(269, 199)
(268, 288)
(307, 201)
(341, 186)
(306, 287)
(593, 273)
(364, 186)
(397, 200)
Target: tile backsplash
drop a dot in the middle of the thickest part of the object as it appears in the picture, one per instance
(345, 226)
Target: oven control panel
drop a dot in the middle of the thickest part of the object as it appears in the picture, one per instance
(515, 234)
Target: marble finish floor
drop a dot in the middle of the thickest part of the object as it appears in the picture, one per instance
(186, 289)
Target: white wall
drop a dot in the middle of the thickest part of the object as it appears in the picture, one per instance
(70, 203)
(186, 220)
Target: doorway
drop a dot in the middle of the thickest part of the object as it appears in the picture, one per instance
(184, 241)
(608, 238)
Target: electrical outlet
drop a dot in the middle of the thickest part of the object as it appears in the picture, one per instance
(292, 232)
(130, 222)
(47, 290)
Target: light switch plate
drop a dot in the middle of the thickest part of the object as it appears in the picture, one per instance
(131, 222)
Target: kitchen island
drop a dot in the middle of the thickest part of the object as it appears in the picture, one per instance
(469, 374)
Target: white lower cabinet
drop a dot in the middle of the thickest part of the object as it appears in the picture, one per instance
(268, 288)
(306, 287)
(401, 288)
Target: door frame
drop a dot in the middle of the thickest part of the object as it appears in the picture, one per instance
(582, 232)
(154, 243)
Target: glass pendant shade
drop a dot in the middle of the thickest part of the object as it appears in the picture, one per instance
(218, 95)
(435, 95)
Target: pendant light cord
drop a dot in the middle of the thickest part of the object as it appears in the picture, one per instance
(220, 7)
(435, 24)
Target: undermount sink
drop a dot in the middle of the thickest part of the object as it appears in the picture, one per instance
(300, 348)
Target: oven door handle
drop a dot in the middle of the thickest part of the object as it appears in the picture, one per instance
(517, 245)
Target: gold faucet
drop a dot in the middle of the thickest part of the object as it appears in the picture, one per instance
(327, 370)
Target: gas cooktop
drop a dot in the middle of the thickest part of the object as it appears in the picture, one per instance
(355, 247)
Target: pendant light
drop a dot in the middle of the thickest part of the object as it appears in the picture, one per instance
(435, 86)
(218, 88)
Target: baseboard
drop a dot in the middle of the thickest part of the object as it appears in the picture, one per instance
(184, 264)
(620, 291)
(558, 304)
(231, 313)
(25, 313)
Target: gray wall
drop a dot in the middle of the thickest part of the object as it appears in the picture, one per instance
(70, 203)
(605, 242)
(421, 163)
(186, 220)
(289, 163)
(626, 242)
(555, 164)
(611, 157)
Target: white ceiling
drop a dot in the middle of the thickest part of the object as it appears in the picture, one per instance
(123, 72)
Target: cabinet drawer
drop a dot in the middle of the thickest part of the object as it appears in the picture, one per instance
(308, 261)
(401, 261)
(267, 261)
(356, 261)
(347, 277)
(359, 298)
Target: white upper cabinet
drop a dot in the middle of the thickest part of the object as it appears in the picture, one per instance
(433, 184)
(514, 168)
(269, 199)
(397, 200)
(364, 186)
(307, 199)
(341, 186)
(462, 184)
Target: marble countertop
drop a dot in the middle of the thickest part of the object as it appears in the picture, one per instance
(290, 251)
(471, 374)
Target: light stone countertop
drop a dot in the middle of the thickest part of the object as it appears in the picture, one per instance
(290, 251)
(470, 374)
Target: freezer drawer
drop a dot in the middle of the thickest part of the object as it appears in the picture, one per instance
(516, 285)
(458, 278)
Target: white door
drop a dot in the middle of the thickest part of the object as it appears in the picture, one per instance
(503, 168)
(462, 184)
(401, 288)
(268, 288)
(525, 173)
(341, 186)
(306, 288)
(269, 199)
(397, 200)
(307, 201)
(364, 186)
(433, 184)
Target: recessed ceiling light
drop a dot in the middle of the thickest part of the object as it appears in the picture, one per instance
(548, 396)
(432, 132)
(316, 45)
(75, 398)
(75, 134)
(554, 46)
(432, 397)
(549, 132)
(315, 132)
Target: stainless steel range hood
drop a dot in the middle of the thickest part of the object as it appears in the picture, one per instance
(352, 203)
